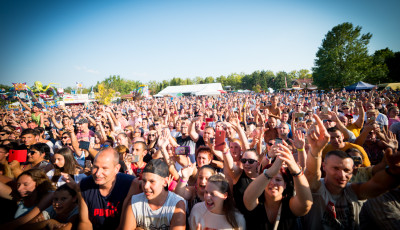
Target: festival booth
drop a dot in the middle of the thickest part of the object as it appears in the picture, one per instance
(359, 86)
(212, 89)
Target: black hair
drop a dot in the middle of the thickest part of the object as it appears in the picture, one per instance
(42, 148)
(339, 153)
(333, 129)
(29, 131)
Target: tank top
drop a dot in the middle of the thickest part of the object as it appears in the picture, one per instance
(154, 219)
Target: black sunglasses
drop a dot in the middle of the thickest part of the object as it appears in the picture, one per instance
(250, 161)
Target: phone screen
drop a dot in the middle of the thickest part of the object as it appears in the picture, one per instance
(182, 150)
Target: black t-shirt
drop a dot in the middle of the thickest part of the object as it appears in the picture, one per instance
(259, 219)
(105, 212)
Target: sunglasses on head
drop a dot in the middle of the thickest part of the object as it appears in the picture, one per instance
(250, 161)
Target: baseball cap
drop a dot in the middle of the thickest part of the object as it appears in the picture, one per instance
(158, 167)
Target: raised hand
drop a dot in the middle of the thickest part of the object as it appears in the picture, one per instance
(286, 156)
(318, 137)
(299, 139)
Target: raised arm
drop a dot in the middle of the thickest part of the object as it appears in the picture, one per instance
(24, 105)
(233, 170)
(301, 203)
(361, 115)
(318, 137)
(192, 131)
(256, 187)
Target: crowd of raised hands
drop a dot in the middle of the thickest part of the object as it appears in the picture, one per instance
(302, 160)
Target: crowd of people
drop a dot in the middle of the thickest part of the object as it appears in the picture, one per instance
(290, 160)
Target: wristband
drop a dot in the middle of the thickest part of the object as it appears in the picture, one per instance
(183, 181)
(266, 174)
(300, 150)
(297, 174)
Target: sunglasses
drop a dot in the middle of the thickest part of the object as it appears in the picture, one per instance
(104, 146)
(327, 120)
(157, 124)
(250, 161)
(106, 127)
(152, 135)
(65, 138)
(270, 144)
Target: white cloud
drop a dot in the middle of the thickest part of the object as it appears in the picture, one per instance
(87, 70)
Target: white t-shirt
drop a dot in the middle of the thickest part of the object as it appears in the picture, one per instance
(207, 219)
(147, 218)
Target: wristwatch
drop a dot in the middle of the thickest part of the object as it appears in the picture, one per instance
(266, 175)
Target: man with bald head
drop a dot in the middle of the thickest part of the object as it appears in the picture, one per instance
(103, 192)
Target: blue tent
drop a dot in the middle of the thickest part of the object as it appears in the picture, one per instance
(359, 86)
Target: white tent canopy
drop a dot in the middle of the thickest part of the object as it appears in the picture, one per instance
(211, 89)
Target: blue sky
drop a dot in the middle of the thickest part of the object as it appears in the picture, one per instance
(66, 41)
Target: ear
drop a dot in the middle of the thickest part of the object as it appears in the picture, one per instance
(225, 195)
(117, 167)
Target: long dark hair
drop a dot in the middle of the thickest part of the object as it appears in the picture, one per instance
(229, 204)
(69, 164)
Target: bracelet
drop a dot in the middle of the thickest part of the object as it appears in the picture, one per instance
(266, 174)
(300, 150)
(315, 157)
(387, 170)
(297, 174)
(183, 181)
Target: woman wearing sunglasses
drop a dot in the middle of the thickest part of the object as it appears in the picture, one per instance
(270, 197)
(241, 175)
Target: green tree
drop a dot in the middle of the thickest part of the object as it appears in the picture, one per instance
(393, 63)
(279, 81)
(343, 57)
(256, 88)
(379, 70)
(209, 80)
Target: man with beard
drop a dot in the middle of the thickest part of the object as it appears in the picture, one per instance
(190, 138)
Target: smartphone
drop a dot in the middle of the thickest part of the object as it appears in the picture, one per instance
(325, 110)
(84, 145)
(135, 158)
(371, 119)
(182, 150)
(88, 164)
(212, 140)
(220, 140)
(129, 157)
(18, 155)
(278, 141)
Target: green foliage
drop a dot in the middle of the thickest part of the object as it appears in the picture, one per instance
(6, 87)
(379, 70)
(393, 63)
(343, 57)
(119, 84)
(256, 88)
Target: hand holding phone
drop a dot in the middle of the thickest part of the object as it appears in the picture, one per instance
(182, 150)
